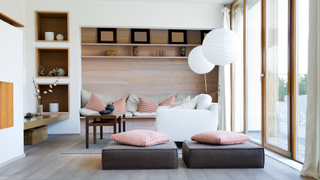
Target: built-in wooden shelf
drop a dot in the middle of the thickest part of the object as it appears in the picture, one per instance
(51, 58)
(134, 57)
(60, 94)
(10, 21)
(45, 119)
(118, 44)
(52, 21)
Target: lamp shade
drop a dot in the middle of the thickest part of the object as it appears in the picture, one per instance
(198, 63)
(221, 46)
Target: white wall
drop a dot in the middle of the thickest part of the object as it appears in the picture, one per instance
(11, 62)
(14, 9)
(84, 13)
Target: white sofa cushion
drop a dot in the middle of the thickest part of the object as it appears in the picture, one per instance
(144, 114)
(188, 105)
(133, 100)
(180, 97)
(180, 102)
(106, 98)
(204, 101)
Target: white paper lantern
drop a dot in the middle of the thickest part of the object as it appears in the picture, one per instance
(221, 46)
(198, 63)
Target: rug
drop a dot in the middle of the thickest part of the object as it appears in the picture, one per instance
(80, 148)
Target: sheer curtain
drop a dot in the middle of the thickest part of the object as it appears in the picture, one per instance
(224, 84)
(312, 145)
(238, 94)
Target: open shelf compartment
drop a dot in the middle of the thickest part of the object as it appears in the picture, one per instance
(60, 94)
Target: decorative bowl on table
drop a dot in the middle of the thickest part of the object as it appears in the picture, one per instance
(110, 107)
(104, 112)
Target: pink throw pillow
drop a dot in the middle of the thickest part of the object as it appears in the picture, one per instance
(215, 97)
(120, 105)
(140, 138)
(169, 101)
(220, 137)
(95, 103)
(147, 106)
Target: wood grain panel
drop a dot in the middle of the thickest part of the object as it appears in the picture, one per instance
(6, 105)
(10, 21)
(142, 76)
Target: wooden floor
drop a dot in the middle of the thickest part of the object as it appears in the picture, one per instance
(45, 161)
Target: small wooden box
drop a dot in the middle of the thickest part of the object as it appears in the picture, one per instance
(111, 53)
(35, 135)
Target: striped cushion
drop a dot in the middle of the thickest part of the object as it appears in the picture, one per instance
(120, 105)
(95, 103)
(169, 101)
(220, 137)
(140, 138)
(147, 106)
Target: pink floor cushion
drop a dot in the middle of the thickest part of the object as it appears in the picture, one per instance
(95, 103)
(220, 137)
(140, 138)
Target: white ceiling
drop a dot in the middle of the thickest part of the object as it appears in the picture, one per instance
(222, 2)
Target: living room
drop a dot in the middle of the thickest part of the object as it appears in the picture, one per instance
(262, 99)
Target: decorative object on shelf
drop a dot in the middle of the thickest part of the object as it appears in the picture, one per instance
(221, 46)
(60, 37)
(158, 52)
(135, 50)
(199, 64)
(56, 72)
(110, 107)
(183, 51)
(107, 35)
(111, 52)
(104, 112)
(163, 52)
(141, 36)
(41, 72)
(177, 36)
(28, 115)
(38, 95)
(49, 36)
(54, 107)
(204, 34)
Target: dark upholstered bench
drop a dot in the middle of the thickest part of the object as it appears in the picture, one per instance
(161, 156)
(245, 155)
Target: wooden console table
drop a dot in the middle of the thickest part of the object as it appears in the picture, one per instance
(46, 118)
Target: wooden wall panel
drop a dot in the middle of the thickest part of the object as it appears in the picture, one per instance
(142, 76)
(6, 105)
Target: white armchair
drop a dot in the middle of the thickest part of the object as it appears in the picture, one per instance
(182, 124)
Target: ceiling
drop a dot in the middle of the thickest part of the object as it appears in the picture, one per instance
(222, 2)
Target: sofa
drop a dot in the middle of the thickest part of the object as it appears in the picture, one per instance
(182, 123)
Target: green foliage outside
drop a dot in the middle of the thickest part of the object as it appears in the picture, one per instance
(283, 86)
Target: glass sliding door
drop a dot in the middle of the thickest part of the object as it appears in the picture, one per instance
(302, 35)
(253, 70)
(277, 77)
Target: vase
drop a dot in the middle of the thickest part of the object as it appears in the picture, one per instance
(135, 50)
(49, 36)
(40, 109)
(183, 51)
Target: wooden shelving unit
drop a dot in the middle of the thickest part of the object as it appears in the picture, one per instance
(59, 95)
(51, 58)
(10, 21)
(52, 21)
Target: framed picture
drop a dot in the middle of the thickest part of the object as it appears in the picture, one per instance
(177, 36)
(141, 36)
(107, 35)
(203, 34)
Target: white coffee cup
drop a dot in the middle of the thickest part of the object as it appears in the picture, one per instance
(54, 107)
(49, 36)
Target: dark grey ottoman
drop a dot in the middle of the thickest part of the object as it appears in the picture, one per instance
(245, 155)
(161, 156)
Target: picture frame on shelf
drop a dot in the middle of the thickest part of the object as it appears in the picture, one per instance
(140, 36)
(177, 36)
(107, 35)
(203, 34)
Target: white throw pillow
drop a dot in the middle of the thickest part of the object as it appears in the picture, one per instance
(180, 102)
(204, 101)
(188, 105)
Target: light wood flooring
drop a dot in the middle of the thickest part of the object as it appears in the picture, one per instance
(45, 161)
